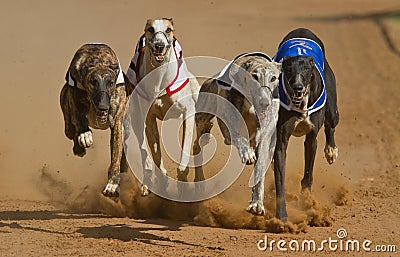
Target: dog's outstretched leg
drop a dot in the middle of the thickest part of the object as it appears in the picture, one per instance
(76, 123)
(284, 129)
(331, 116)
(115, 118)
(153, 139)
(310, 150)
(256, 206)
(188, 125)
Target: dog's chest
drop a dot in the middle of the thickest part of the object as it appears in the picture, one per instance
(164, 108)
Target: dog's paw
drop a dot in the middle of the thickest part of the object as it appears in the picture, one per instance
(79, 150)
(256, 208)
(247, 154)
(86, 139)
(331, 153)
(112, 188)
(144, 190)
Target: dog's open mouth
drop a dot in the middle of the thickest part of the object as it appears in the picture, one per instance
(159, 54)
(102, 116)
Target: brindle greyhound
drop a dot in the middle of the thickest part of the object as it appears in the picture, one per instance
(308, 99)
(95, 95)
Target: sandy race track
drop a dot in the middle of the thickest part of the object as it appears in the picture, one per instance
(50, 200)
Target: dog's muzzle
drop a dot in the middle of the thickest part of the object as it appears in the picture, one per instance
(102, 116)
(158, 47)
(101, 105)
(297, 97)
(296, 90)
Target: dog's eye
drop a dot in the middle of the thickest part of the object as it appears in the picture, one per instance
(150, 30)
(273, 78)
(307, 69)
(255, 76)
(168, 30)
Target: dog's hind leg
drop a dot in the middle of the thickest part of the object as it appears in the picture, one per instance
(331, 116)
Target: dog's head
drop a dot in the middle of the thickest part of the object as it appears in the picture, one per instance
(159, 36)
(99, 69)
(259, 79)
(298, 73)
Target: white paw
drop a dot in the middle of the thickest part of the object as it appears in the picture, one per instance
(331, 153)
(112, 188)
(144, 190)
(247, 154)
(86, 139)
(256, 208)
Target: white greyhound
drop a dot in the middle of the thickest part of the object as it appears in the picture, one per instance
(163, 84)
(249, 83)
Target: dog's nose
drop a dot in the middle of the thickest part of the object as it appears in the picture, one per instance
(298, 87)
(159, 46)
(102, 101)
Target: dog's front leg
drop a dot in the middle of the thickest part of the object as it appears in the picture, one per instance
(266, 140)
(204, 123)
(284, 130)
(279, 173)
(246, 152)
(256, 206)
(112, 188)
(188, 126)
(153, 139)
(75, 107)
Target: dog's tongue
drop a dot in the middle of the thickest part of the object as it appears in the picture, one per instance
(160, 56)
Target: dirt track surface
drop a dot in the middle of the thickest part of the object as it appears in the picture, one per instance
(50, 203)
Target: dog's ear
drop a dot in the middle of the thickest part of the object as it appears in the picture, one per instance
(148, 24)
(246, 65)
(311, 61)
(170, 20)
(278, 65)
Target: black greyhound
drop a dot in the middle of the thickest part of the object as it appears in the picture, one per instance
(308, 99)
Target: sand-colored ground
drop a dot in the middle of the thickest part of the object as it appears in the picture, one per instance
(50, 202)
